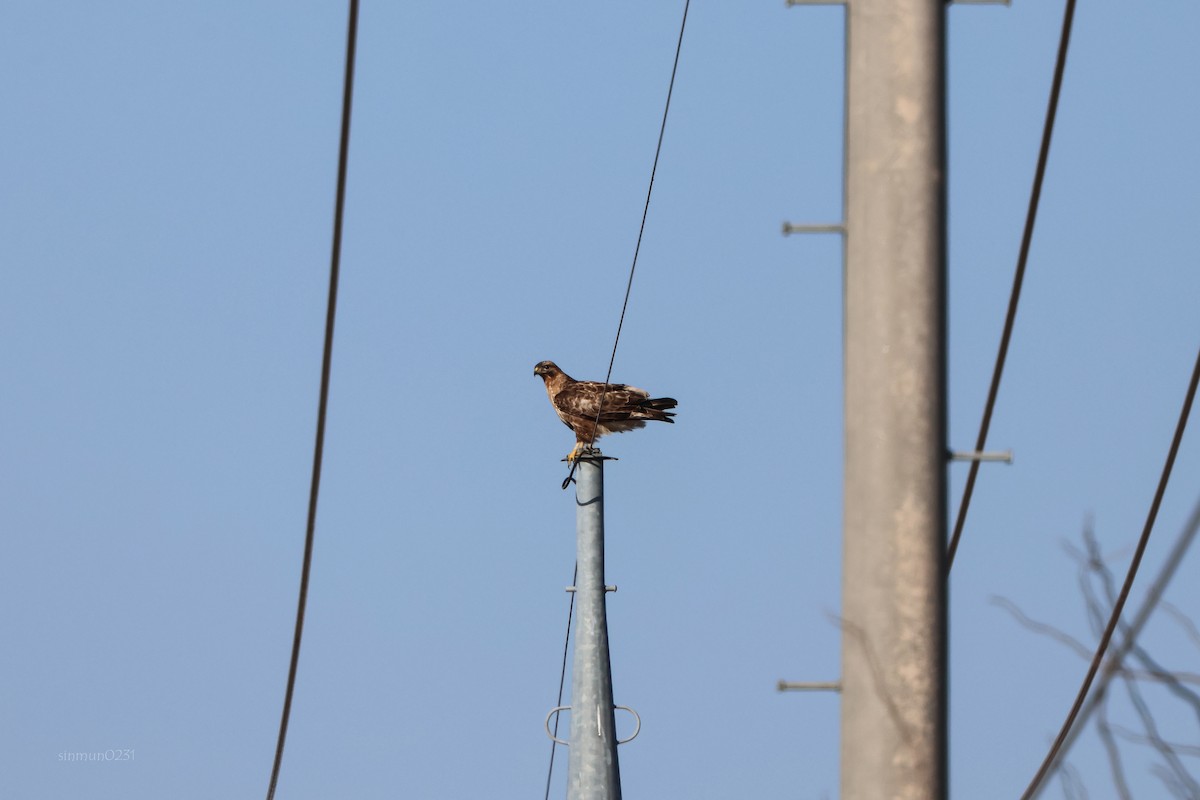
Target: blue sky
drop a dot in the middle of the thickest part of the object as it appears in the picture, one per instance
(168, 174)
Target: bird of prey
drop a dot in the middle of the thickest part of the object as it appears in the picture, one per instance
(578, 404)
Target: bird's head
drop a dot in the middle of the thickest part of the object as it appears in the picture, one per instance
(547, 369)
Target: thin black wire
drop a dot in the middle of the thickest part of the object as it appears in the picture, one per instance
(638, 247)
(323, 403)
(1018, 279)
(612, 359)
(562, 680)
(1115, 617)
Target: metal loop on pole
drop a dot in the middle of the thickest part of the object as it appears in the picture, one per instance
(637, 717)
(553, 711)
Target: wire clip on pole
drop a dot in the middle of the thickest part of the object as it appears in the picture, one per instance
(590, 454)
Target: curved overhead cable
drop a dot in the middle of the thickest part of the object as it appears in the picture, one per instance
(662, 129)
(1018, 280)
(562, 680)
(323, 402)
(612, 359)
(1052, 756)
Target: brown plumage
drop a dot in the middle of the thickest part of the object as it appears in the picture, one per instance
(625, 407)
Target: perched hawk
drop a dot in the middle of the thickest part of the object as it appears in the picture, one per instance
(577, 404)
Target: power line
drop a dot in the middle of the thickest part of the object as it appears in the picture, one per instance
(1018, 280)
(1119, 606)
(323, 403)
(562, 679)
(612, 359)
(662, 129)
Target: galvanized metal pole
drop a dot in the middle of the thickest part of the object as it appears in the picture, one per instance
(592, 768)
(893, 598)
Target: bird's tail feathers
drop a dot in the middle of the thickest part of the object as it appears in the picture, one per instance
(656, 409)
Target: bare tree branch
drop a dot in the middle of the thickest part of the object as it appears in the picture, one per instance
(1041, 627)
(1153, 676)
(1164, 775)
(1141, 738)
(1114, 753)
(1092, 563)
(1073, 788)
(1099, 568)
(1184, 621)
(1177, 769)
(1174, 686)
(878, 675)
(1098, 613)
(1082, 650)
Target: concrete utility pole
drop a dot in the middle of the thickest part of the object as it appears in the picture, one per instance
(592, 769)
(893, 598)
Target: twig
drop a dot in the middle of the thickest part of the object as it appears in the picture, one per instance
(1141, 738)
(1178, 771)
(1041, 627)
(1114, 753)
(1184, 621)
